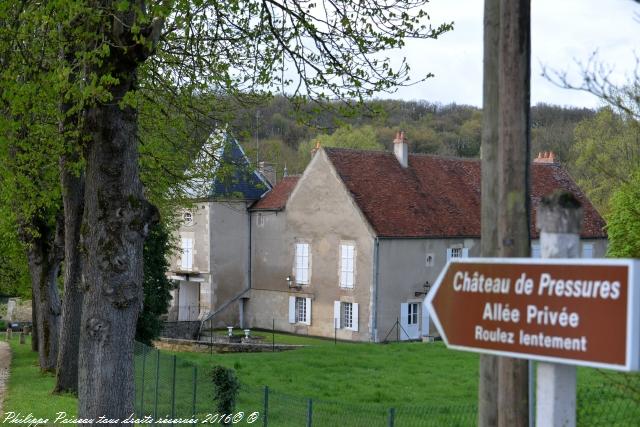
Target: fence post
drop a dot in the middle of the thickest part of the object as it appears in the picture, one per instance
(397, 329)
(195, 386)
(266, 406)
(559, 219)
(211, 336)
(392, 416)
(155, 401)
(273, 335)
(173, 390)
(335, 331)
(309, 412)
(144, 358)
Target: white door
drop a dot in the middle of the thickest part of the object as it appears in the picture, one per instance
(409, 321)
(188, 304)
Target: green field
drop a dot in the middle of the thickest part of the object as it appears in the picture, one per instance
(349, 384)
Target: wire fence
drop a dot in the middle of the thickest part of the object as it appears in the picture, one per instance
(171, 390)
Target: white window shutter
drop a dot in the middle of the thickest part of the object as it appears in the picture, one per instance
(465, 252)
(404, 314)
(336, 314)
(354, 313)
(308, 322)
(449, 254)
(292, 309)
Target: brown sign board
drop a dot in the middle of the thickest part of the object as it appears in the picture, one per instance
(573, 311)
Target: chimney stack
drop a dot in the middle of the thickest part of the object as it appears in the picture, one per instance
(315, 149)
(545, 157)
(401, 149)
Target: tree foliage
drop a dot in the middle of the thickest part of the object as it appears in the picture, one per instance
(157, 249)
(606, 152)
(623, 223)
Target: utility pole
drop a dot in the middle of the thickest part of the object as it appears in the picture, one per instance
(488, 383)
(513, 182)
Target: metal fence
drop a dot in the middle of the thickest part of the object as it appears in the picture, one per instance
(171, 388)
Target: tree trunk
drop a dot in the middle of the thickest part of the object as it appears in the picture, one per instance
(488, 381)
(116, 220)
(513, 202)
(73, 201)
(34, 325)
(44, 254)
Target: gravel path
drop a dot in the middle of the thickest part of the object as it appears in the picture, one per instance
(5, 363)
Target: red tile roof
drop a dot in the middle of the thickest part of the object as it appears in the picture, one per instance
(276, 199)
(436, 196)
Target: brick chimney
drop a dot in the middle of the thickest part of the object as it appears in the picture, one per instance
(401, 149)
(315, 149)
(547, 157)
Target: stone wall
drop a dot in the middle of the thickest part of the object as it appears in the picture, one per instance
(219, 347)
(181, 330)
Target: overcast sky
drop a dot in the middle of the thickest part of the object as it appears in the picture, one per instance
(563, 32)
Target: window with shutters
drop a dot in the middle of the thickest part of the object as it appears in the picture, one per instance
(412, 314)
(301, 310)
(302, 263)
(456, 252)
(187, 254)
(347, 265)
(345, 315)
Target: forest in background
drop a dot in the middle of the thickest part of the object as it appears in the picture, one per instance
(286, 136)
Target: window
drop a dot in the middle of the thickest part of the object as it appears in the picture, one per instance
(412, 313)
(535, 250)
(187, 254)
(457, 252)
(345, 315)
(187, 218)
(429, 260)
(587, 250)
(302, 263)
(300, 310)
(260, 220)
(347, 265)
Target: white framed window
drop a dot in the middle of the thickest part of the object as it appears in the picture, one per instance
(587, 250)
(535, 250)
(345, 315)
(187, 254)
(302, 263)
(347, 265)
(457, 252)
(260, 220)
(412, 313)
(300, 310)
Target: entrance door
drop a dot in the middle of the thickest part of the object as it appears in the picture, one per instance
(189, 303)
(409, 321)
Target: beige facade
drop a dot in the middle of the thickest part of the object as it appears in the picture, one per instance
(212, 265)
(320, 213)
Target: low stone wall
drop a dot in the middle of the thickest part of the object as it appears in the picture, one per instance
(173, 344)
(181, 330)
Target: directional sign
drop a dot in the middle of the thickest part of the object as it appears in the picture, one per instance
(572, 311)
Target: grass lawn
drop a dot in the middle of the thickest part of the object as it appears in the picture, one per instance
(405, 373)
(30, 390)
(351, 384)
